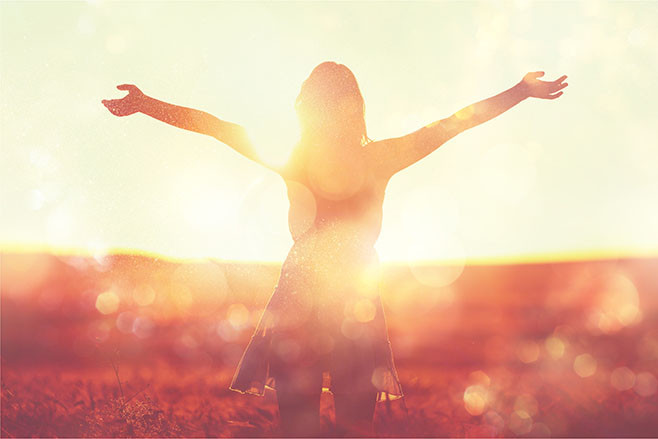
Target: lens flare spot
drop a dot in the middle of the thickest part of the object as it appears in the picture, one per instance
(368, 281)
(520, 422)
(622, 378)
(628, 313)
(143, 327)
(351, 329)
(555, 347)
(144, 295)
(618, 305)
(645, 384)
(475, 400)
(379, 378)
(226, 331)
(526, 403)
(495, 420)
(364, 310)
(435, 275)
(237, 316)
(107, 302)
(584, 365)
(527, 351)
(124, 322)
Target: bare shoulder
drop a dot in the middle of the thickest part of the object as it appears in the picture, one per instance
(388, 156)
(293, 169)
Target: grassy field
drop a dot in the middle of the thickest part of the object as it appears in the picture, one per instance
(128, 346)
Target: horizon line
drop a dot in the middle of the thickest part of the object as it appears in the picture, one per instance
(533, 258)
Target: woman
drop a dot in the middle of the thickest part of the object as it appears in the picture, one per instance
(325, 316)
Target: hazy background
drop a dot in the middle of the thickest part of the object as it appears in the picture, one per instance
(560, 178)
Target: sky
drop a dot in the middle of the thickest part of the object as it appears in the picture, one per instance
(548, 179)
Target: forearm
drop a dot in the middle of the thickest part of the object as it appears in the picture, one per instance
(181, 117)
(200, 122)
(487, 109)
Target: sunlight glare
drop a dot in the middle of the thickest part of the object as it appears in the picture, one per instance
(275, 141)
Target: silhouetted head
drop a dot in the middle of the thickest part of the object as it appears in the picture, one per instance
(330, 106)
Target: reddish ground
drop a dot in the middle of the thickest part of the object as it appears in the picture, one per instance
(567, 349)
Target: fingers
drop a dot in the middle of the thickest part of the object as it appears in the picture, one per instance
(558, 87)
(111, 104)
(532, 76)
(555, 96)
(128, 87)
(560, 79)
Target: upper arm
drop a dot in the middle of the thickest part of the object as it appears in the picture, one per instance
(392, 155)
(236, 137)
(202, 122)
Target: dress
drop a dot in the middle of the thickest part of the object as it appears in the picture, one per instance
(326, 308)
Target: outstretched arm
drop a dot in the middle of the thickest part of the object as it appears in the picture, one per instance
(189, 119)
(393, 155)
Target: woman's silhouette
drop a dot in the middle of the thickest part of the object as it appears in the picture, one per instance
(325, 315)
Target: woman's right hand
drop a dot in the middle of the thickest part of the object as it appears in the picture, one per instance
(536, 88)
(127, 105)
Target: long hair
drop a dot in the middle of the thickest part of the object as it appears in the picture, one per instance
(330, 107)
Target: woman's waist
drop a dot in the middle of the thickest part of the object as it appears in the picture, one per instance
(346, 275)
(315, 253)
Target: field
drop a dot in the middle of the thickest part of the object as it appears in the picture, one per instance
(126, 345)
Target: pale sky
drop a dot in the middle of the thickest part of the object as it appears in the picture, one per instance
(571, 176)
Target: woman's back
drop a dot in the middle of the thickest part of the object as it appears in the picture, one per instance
(335, 193)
